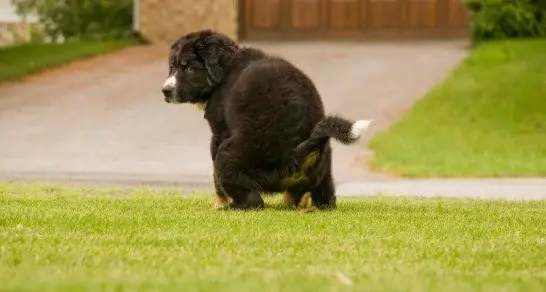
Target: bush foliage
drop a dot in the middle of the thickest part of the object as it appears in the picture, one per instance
(500, 19)
(80, 19)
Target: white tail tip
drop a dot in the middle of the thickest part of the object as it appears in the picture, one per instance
(359, 127)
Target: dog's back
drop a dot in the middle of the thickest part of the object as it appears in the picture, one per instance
(273, 107)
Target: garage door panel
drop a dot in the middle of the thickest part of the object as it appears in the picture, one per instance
(264, 14)
(458, 13)
(305, 14)
(353, 19)
(344, 14)
(422, 13)
(384, 13)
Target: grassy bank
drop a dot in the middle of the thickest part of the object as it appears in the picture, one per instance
(487, 118)
(20, 60)
(54, 238)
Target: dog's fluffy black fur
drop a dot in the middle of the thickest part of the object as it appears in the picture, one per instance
(266, 117)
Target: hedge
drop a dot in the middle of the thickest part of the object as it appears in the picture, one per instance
(80, 19)
(501, 19)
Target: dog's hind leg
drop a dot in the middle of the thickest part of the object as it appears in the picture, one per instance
(288, 199)
(306, 201)
(323, 195)
(297, 199)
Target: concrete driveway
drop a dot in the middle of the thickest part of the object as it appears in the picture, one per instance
(104, 120)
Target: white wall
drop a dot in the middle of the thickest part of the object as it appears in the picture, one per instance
(7, 12)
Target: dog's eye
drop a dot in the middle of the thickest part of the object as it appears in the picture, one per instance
(188, 69)
(183, 63)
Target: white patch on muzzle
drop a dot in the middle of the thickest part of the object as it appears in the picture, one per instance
(171, 81)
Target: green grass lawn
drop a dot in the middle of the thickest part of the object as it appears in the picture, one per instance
(20, 60)
(487, 118)
(68, 239)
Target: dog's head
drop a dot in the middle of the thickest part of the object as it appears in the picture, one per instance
(198, 63)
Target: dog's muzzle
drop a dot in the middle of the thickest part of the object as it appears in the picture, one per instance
(168, 88)
(168, 92)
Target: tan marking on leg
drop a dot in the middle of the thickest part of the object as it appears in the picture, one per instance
(305, 201)
(220, 202)
(288, 200)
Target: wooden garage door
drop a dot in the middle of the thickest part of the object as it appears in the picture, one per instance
(352, 19)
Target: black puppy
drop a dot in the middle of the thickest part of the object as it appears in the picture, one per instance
(269, 130)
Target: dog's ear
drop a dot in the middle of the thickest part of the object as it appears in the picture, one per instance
(215, 50)
(212, 63)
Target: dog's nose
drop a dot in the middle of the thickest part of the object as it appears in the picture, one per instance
(167, 91)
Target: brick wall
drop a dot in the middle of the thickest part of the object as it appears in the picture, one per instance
(166, 20)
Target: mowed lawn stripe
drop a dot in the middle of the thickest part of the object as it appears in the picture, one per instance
(486, 119)
(64, 238)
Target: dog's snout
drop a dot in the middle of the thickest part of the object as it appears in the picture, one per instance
(167, 91)
(168, 87)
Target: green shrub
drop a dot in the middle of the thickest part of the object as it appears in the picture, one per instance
(80, 19)
(500, 19)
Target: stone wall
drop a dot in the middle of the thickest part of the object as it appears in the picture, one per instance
(162, 21)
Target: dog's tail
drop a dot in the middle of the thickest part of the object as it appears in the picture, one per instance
(332, 126)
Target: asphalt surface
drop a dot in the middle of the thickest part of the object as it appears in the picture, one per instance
(104, 120)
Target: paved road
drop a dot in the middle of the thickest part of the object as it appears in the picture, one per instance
(104, 120)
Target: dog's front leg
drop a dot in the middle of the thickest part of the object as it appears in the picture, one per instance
(221, 200)
(234, 179)
(215, 141)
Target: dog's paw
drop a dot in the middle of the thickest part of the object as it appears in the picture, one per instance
(306, 204)
(220, 203)
(219, 206)
(309, 209)
(305, 201)
(288, 200)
